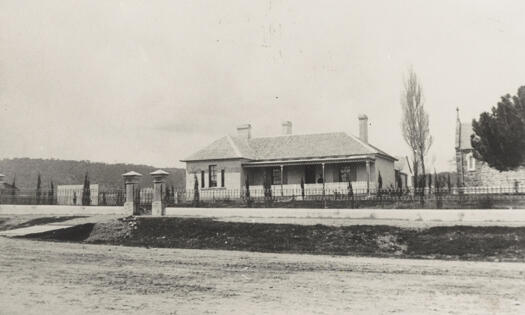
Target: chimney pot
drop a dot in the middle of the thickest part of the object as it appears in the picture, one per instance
(363, 127)
(245, 131)
(287, 128)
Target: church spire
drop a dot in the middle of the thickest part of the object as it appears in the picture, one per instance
(458, 129)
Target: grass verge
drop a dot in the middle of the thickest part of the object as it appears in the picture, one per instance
(450, 242)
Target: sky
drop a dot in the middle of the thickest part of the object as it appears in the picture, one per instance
(151, 82)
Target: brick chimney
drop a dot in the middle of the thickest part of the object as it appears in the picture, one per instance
(245, 131)
(363, 127)
(286, 128)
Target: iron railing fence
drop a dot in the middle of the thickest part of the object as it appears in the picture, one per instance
(93, 197)
(186, 197)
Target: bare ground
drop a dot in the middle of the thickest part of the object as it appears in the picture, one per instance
(66, 278)
(11, 222)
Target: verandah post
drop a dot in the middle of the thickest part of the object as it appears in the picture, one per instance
(368, 177)
(324, 192)
(282, 179)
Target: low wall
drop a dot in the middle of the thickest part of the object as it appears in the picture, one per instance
(445, 215)
(60, 210)
(470, 215)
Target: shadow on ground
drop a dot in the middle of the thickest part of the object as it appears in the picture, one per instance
(492, 243)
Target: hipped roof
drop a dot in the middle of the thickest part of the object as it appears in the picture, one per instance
(286, 147)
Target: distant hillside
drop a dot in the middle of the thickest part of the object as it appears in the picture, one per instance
(108, 176)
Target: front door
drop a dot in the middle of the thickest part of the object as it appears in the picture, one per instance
(309, 174)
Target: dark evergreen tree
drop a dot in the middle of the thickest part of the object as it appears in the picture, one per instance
(379, 184)
(399, 182)
(38, 189)
(104, 202)
(247, 186)
(499, 136)
(302, 187)
(351, 194)
(167, 194)
(86, 192)
(196, 191)
(51, 193)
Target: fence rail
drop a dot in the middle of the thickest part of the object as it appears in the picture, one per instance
(263, 196)
(93, 197)
(340, 193)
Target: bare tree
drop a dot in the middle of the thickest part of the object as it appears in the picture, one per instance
(414, 123)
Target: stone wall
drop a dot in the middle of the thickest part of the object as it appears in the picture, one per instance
(485, 176)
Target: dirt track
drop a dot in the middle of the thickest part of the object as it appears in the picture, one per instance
(52, 278)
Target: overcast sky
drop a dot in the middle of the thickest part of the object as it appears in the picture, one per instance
(152, 81)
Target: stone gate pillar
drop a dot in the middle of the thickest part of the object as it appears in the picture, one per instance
(158, 206)
(131, 180)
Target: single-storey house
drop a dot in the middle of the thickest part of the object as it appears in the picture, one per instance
(323, 163)
(475, 173)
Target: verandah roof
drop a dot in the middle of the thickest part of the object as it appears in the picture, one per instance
(326, 160)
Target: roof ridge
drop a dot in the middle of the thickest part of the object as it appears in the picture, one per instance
(302, 134)
(234, 146)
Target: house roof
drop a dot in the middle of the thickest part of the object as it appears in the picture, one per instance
(466, 132)
(286, 147)
(400, 164)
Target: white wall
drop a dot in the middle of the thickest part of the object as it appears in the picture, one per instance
(386, 167)
(232, 173)
(426, 215)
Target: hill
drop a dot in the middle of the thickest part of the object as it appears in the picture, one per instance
(66, 172)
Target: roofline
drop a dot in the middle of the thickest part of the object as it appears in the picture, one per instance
(238, 154)
(387, 156)
(302, 158)
(329, 159)
(371, 147)
(235, 148)
(218, 159)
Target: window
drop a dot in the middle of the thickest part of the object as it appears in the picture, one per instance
(471, 162)
(222, 178)
(347, 173)
(212, 176)
(202, 179)
(276, 176)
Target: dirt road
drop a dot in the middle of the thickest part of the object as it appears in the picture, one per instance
(63, 278)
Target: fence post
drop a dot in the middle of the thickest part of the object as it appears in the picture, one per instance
(131, 180)
(158, 206)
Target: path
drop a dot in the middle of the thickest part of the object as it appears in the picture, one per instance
(67, 278)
